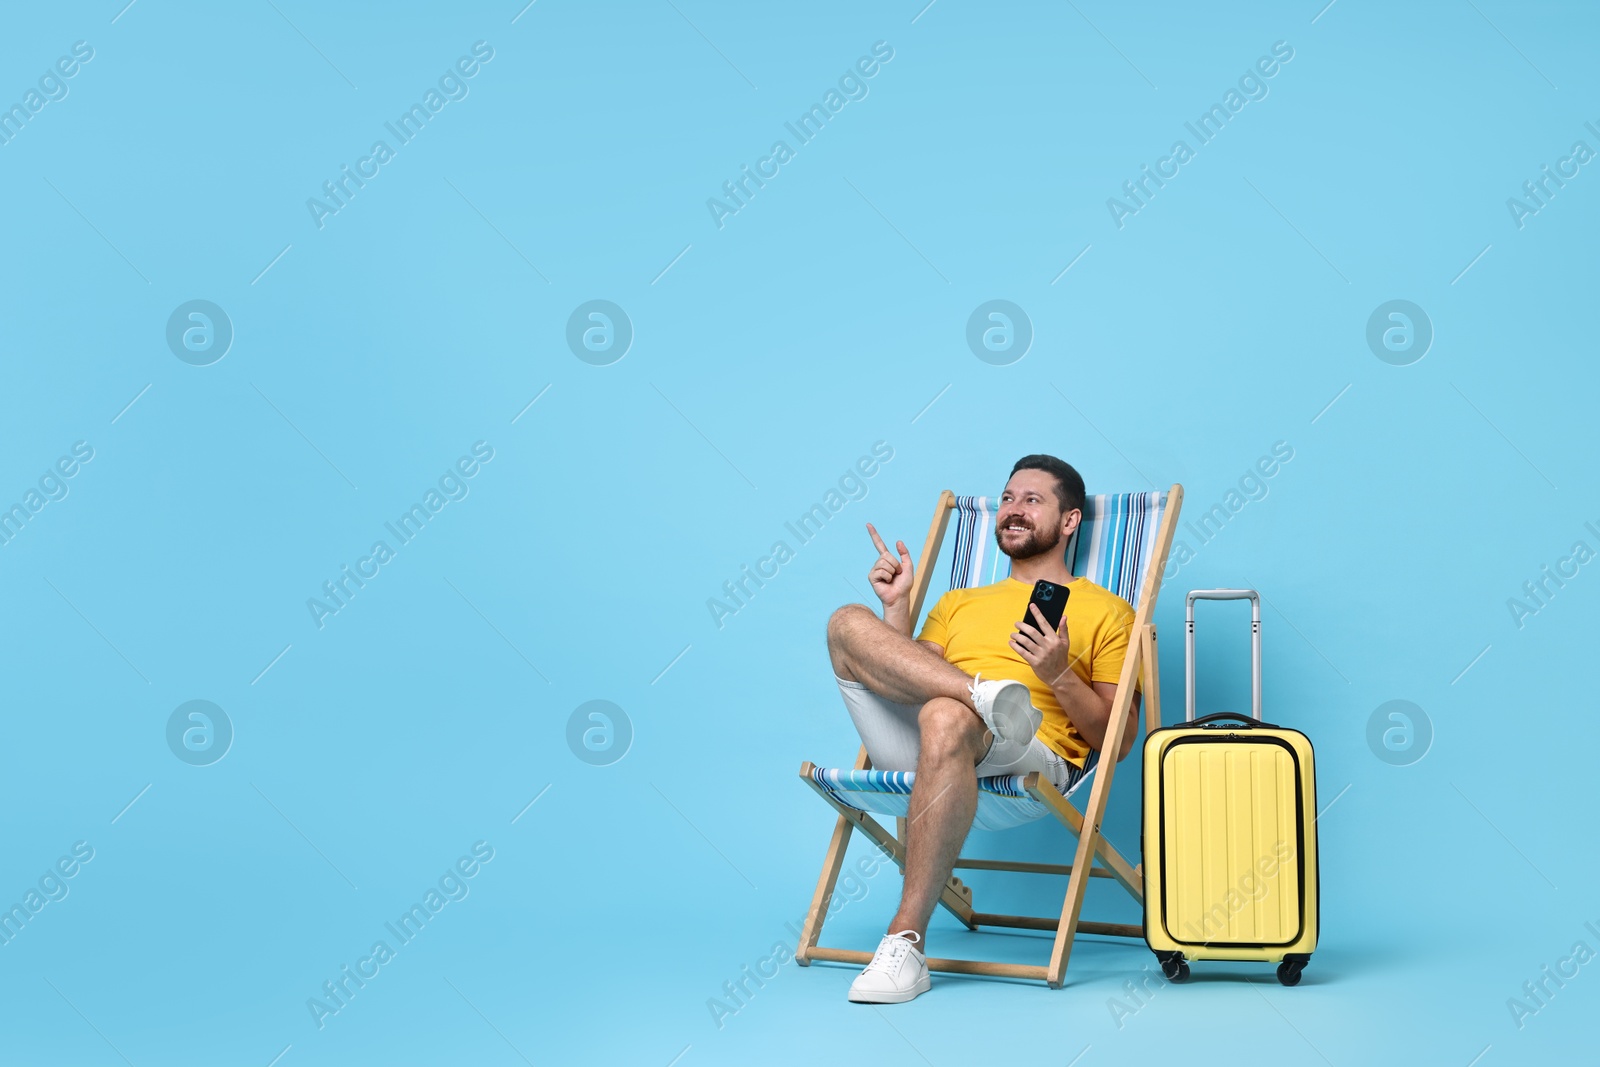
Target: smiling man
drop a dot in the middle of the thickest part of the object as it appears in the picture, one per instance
(977, 693)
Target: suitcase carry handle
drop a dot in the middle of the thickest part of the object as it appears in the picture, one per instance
(1255, 645)
(1247, 720)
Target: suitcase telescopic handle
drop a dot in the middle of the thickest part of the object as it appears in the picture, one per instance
(1255, 645)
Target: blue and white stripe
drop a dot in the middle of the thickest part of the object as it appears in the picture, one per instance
(1111, 547)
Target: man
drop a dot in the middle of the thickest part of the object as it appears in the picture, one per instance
(978, 693)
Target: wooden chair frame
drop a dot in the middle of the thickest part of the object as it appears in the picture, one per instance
(1141, 662)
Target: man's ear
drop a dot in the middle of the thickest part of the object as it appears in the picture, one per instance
(1070, 522)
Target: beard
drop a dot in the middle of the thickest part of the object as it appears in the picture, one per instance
(1030, 544)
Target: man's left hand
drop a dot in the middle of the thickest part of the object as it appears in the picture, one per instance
(1044, 649)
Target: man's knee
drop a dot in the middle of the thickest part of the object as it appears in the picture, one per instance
(846, 620)
(949, 728)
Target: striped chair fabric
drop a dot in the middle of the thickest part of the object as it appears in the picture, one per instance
(1003, 802)
(1111, 547)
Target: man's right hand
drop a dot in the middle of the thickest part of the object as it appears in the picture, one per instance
(891, 579)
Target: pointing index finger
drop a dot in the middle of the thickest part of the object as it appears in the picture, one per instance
(883, 548)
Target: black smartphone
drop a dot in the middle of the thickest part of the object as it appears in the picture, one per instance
(1052, 601)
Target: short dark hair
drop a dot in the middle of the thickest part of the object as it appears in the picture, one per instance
(1069, 483)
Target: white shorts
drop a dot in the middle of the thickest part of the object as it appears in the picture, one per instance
(893, 739)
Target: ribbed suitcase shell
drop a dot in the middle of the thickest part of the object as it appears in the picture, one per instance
(1229, 842)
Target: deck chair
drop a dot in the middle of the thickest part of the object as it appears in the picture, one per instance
(1121, 544)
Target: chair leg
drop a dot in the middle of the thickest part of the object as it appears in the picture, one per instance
(1090, 844)
(1115, 862)
(1078, 883)
(1115, 865)
(1089, 841)
(1152, 682)
(832, 861)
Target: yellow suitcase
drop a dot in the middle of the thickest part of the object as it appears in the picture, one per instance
(1229, 831)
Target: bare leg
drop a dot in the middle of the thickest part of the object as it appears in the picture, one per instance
(868, 650)
(943, 802)
(954, 740)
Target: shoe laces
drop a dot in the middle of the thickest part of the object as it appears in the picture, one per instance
(892, 949)
(972, 687)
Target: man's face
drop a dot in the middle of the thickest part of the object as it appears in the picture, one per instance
(1030, 521)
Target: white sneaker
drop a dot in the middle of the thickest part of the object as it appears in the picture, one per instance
(897, 973)
(1006, 707)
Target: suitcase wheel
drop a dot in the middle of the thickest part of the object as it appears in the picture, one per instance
(1289, 970)
(1173, 966)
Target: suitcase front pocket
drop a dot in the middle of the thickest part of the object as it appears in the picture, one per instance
(1232, 855)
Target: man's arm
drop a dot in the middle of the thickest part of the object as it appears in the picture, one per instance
(1087, 705)
(1090, 711)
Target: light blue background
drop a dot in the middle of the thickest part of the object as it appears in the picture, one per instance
(823, 317)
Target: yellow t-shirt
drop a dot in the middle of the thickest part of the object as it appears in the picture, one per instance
(974, 628)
